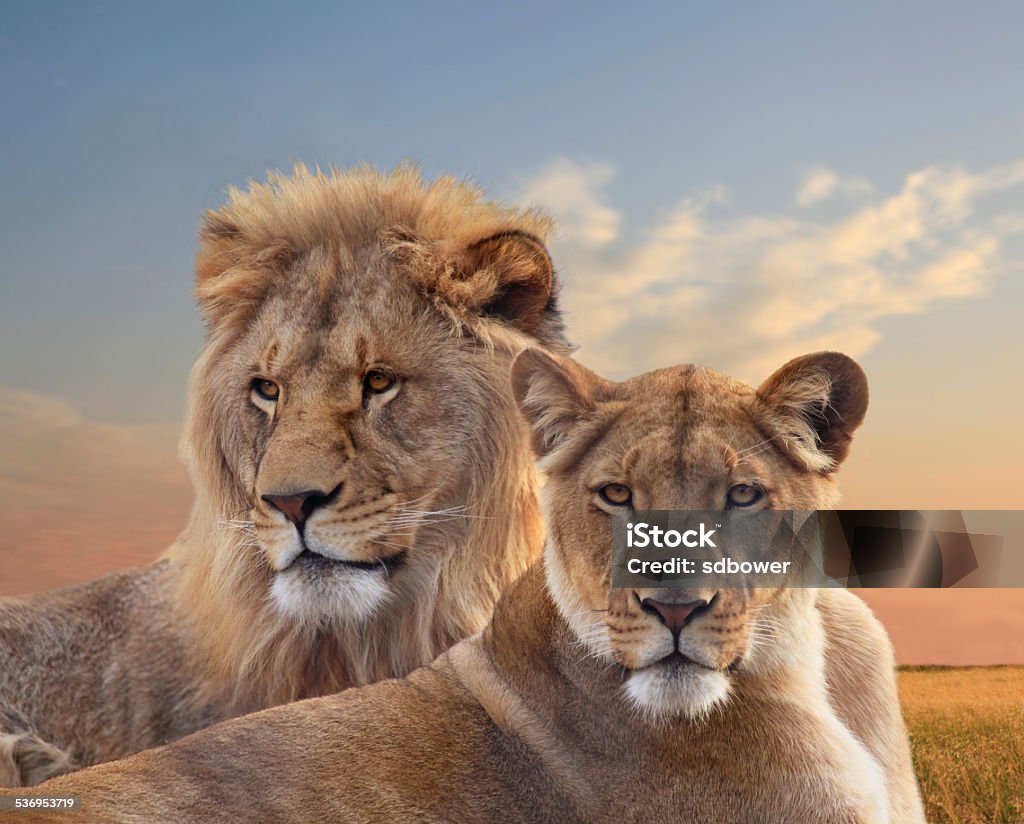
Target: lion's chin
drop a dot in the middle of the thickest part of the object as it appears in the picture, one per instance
(336, 593)
(674, 688)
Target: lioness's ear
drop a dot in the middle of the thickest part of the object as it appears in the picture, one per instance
(511, 277)
(813, 405)
(554, 394)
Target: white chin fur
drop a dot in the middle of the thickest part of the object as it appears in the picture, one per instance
(339, 596)
(660, 692)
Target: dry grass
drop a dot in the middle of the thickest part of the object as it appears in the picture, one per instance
(967, 732)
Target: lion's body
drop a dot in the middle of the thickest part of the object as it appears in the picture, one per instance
(417, 489)
(577, 703)
(101, 668)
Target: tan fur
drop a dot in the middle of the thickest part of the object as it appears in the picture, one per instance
(311, 281)
(538, 719)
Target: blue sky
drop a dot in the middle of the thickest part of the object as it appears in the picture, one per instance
(124, 120)
(736, 184)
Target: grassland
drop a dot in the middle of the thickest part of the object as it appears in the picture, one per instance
(966, 728)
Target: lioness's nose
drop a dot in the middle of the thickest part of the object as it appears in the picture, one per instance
(674, 616)
(298, 506)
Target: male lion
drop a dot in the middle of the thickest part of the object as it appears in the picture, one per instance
(364, 483)
(579, 702)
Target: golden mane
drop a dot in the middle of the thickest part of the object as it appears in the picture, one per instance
(259, 231)
(340, 220)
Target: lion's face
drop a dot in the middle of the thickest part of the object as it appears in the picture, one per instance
(351, 429)
(681, 438)
(353, 390)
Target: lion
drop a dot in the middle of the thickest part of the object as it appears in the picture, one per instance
(364, 484)
(580, 702)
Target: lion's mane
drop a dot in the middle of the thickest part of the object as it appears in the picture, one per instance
(258, 656)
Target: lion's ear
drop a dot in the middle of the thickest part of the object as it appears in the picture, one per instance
(555, 396)
(510, 276)
(813, 405)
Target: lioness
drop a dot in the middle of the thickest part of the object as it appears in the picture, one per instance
(364, 483)
(578, 702)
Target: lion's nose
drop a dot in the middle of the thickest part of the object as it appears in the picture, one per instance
(298, 506)
(674, 616)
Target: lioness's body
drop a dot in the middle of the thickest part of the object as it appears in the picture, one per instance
(577, 703)
(513, 725)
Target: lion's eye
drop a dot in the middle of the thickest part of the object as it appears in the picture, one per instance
(378, 381)
(744, 495)
(616, 494)
(268, 390)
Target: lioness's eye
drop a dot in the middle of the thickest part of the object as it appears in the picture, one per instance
(378, 381)
(743, 495)
(616, 494)
(268, 390)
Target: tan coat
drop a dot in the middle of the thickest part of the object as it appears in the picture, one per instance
(513, 725)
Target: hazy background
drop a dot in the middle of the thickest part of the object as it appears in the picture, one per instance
(735, 185)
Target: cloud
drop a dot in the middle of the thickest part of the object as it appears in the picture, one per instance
(743, 294)
(572, 193)
(821, 183)
(79, 498)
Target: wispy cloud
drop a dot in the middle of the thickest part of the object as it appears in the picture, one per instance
(574, 193)
(745, 293)
(821, 183)
(79, 497)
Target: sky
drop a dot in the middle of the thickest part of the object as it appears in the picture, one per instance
(734, 184)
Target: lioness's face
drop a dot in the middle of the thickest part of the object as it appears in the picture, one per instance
(680, 438)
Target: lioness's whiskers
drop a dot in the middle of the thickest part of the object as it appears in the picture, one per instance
(757, 445)
(757, 448)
